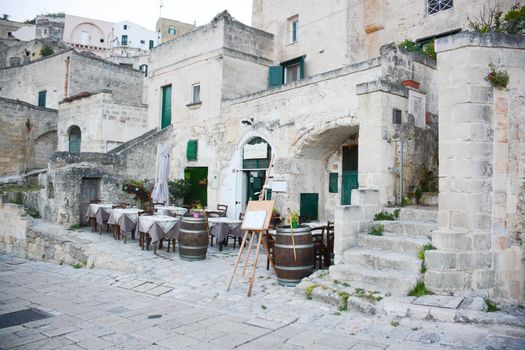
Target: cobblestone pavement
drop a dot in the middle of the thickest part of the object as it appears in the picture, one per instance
(162, 302)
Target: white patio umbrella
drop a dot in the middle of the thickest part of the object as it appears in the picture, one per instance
(161, 191)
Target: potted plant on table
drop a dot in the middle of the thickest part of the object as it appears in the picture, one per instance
(294, 219)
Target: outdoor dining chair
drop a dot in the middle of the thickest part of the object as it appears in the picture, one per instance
(329, 248)
(210, 214)
(144, 237)
(319, 245)
(222, 208)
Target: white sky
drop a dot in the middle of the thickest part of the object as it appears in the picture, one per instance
(143, 12)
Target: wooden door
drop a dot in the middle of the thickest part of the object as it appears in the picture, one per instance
(309, 209)
(89, 190)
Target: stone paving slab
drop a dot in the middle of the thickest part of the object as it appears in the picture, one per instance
(443, 301)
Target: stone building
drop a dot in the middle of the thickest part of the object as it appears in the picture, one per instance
(169, 29)
(352, 122)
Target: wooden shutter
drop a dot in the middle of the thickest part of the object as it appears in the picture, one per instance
(309, 206)
(275, 77)
(191, 150)
(333, 182)
(301, 62)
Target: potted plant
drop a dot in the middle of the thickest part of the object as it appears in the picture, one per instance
(141, 191)
(178, 190)
(197, 206)
(294, 219)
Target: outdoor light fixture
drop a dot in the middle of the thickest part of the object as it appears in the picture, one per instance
(247, 121)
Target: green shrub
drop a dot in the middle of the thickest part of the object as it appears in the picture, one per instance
(497, 78)
(412, 46)
(179, 189)
(376, 230)
(419, 290)
(515, 20)
(343, 306)
(492, 20)
(33, 213)
(383, 215)
(491, 306)
(418, 194)
(74, 227)
(46, 50)
(421, 253)
(396, 213)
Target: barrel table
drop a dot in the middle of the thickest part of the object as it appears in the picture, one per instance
(193, 238)
(291, 271)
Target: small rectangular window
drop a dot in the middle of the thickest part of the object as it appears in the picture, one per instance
(396, 116)
(42, 99)
(293, 29)
(124, 40)
(125, 26)
(292, 73)
(151, 43)
(196, 93)
(333, 182)
(435, 6)
(142, 42)
(172, 31)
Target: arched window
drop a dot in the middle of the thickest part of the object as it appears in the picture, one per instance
(74, 139)
(256, 154)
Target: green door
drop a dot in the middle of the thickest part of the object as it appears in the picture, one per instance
(166, 107)
(349, 182)
(198, 177)
(309, 206)
(349, 175)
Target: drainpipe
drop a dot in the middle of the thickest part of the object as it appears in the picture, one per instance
(66, 77)
(401, 172)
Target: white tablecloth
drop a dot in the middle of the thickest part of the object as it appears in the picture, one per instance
(125, 218)
(221, 227)
(170, 210)
(159, 227)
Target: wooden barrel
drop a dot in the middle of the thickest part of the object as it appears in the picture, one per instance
(193, 238)
(291, 271)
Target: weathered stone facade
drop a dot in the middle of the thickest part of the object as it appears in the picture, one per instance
(27, 136)
(481, 152)
(104, 123)
(68, 74)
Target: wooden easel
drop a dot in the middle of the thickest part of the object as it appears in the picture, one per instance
(255, 206)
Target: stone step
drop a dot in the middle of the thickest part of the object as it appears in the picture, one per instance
(407, 227)
(382, 260)
(428, 214)
(393, 243)
(389, 281)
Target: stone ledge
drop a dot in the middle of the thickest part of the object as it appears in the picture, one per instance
(464, 39)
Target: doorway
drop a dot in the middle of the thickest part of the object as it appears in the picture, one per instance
(349, 175)
(198, 177)
(89, 190)
(257, 155)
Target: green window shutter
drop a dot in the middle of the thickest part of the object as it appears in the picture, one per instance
(166, 107)
(332, 182)
(191, 150)
(42, 99)
(309, 203)
(301, 62)
(275, 77)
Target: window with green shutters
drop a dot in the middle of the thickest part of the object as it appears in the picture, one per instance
(166, 107)
(286, 72)
(42, 99)
(191, 150)
(276, 76)
(333, 182)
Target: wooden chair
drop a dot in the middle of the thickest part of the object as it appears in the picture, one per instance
(329, 248)
(270, 243)
(143, 236)
(170, 241)
(159, 203)
(222, 208)
(235, 238)
(319, 246)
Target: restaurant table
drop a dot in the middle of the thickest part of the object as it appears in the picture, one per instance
(159, 227)
(100, 212)
(221, 227)
(170, 210)
(125, 218)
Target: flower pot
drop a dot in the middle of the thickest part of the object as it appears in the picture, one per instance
(294, 223)
(196, 215)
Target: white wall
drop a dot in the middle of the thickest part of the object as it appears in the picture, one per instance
(135, 34)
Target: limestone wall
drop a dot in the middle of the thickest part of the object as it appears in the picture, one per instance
(103, 122)
(481, 207)
(91, 74)
(24, 82)
(27, 136)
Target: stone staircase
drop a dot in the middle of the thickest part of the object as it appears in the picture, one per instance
(389, 263)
